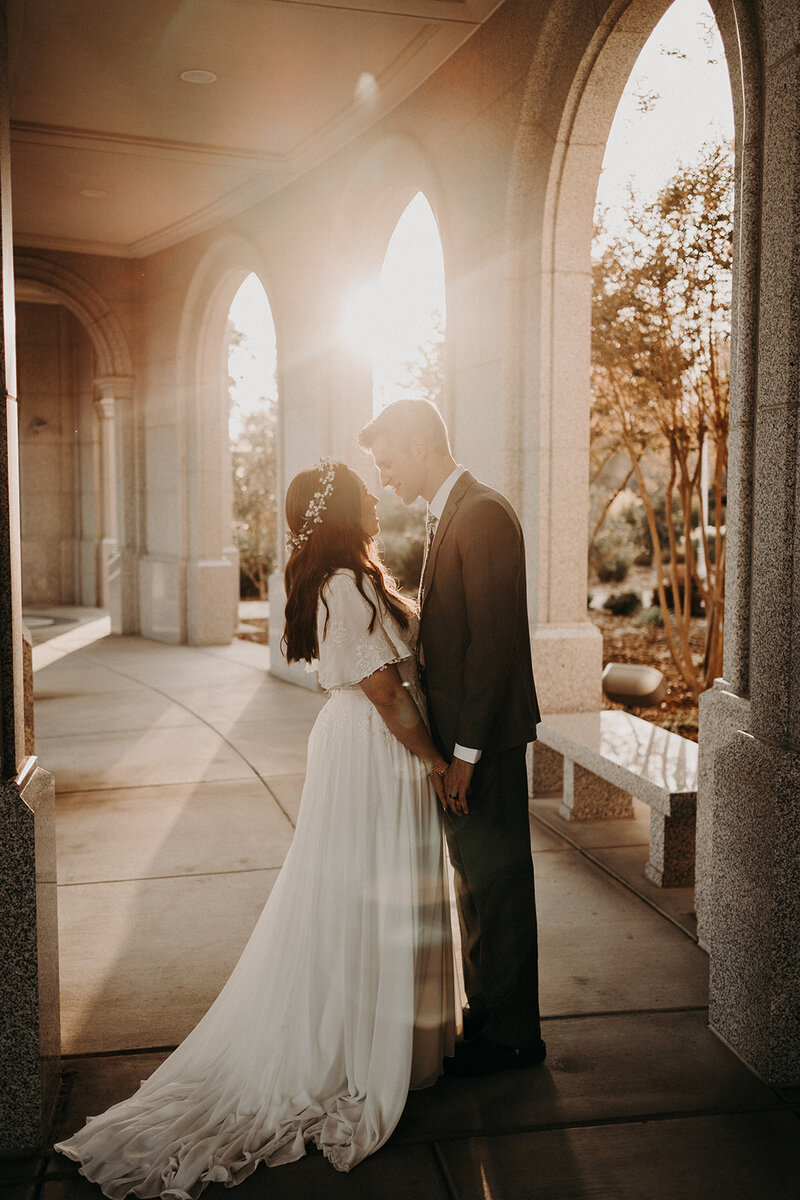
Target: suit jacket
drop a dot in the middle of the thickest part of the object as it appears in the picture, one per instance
(474, 625)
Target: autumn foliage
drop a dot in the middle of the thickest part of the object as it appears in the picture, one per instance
(660, 379)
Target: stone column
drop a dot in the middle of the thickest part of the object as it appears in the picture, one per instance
(117, 554)
(107, 552)
(755, 883)
(725, 708)
(29, 1016)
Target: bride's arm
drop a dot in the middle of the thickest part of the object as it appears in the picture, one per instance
(390, 696)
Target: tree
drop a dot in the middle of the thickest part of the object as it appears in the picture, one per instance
(425, 372)
(254, 497)
(660, 380)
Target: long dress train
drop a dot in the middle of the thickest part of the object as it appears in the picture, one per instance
(343, 997)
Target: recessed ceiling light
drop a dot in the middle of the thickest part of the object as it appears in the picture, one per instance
(93, 193)
(195, 76)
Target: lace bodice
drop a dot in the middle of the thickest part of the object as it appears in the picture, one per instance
(348, 651)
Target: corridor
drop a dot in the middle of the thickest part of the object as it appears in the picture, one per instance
(160, 883)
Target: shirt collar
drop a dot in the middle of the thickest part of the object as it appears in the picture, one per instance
(436, 506)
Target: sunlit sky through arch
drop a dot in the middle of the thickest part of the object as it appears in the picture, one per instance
(677, 98)
(253, 362)
(388, 320)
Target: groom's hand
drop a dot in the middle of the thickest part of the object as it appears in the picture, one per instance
(457, 786)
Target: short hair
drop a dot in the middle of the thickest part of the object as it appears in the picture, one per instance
(404, 420)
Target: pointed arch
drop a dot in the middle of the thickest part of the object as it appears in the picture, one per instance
(411, 298)
(211, 561)
(550, 218)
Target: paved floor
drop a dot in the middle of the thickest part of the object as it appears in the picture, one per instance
(179, 773)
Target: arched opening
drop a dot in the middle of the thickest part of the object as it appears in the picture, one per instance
(202, 521)
(410, 326)
(253, 431)
(61, 494)
(556, 296)
(398, 323)
(75, 389)
(661, 317)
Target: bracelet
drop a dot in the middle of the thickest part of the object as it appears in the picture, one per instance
(440, 770)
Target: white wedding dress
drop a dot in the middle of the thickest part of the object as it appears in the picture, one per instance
(343, 998)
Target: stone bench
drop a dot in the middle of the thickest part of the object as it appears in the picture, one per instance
(602, 759)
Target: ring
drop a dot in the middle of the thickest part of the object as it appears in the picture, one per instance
(452, 795)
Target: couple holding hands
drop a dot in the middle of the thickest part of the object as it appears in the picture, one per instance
(345, 995)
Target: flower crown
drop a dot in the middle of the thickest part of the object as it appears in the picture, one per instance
(316, 505)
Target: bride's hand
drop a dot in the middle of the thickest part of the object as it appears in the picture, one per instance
(436, 775)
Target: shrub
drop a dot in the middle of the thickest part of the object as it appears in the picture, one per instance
(623, 604)
(650, 617)
(402, 540)
(611, 553)
(697, 606)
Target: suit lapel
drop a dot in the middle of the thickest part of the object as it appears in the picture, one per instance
(460, 488)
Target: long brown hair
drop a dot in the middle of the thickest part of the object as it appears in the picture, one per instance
(338, 541)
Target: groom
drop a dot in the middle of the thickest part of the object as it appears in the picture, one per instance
(475, 664)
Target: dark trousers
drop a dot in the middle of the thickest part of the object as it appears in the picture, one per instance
(490, 850)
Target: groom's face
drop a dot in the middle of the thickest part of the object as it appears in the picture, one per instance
(401, 466)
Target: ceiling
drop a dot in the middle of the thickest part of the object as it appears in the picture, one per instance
(98, 105)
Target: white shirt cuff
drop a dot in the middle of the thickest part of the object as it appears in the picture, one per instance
(467, 755)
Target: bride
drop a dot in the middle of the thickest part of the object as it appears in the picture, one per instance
(343, 998)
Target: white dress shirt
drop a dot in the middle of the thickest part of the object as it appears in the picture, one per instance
(435, 510)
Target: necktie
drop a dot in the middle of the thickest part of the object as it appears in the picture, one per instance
(430, 533)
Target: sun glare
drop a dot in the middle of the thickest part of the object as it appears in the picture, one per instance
(388, 322)
(359, 320)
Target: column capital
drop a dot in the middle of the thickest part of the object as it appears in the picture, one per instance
(114, 387)
(105, 406)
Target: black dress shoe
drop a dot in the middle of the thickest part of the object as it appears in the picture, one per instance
(481, 1056)
(473, 1021)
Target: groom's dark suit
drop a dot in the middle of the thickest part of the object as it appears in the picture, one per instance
(475, 646)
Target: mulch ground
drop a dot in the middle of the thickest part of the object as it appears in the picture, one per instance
(624, 641)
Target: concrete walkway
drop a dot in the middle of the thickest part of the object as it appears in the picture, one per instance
(178, 777)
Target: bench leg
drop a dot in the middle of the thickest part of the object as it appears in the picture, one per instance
(548, 771)
(587, 797)
(672, 848)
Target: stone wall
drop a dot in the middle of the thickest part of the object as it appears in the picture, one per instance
(57, 457)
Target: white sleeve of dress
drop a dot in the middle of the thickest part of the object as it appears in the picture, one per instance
(348, 651)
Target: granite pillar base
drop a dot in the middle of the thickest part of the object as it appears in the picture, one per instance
(212, 598)
(672, 846)
(568, 663)
(754, 991)
(587, 797)
(123, 593)
(29, 1005)
(548, 771)
(722, 715)
(162, 598)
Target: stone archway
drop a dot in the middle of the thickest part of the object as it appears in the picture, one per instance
(382, 184)
(552, 367)
(550, 225)
(212, 574)
(114, 550)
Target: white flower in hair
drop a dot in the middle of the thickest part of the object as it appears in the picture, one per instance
(316, 505)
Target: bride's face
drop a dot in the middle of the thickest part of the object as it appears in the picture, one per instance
(369, 517)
